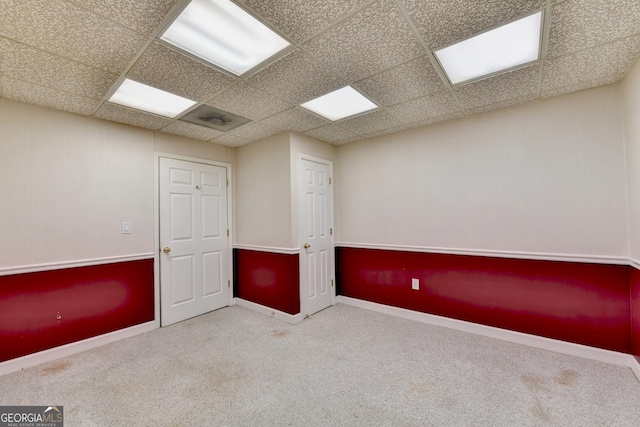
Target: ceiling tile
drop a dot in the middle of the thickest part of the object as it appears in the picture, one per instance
(407, 81)
(434, 105)
(348, 140)
(386, 131)
(46, 97)
(370, 122)
(592, 64)
(169, 70)
(117, 113)
(363, 45)
(299, 20)
(247, 101)
(438, 119)
(331, 133)
(588, 84)
(140, 15)
(580, 24)
(295, 119)
(192, 131)
(442, 23)
(501, 104)
(514, 84)
(73, 32)
(255, 131)
(26, 63)
(297, 78)
(231, 140)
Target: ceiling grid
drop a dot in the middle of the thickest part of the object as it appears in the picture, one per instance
(72, 55)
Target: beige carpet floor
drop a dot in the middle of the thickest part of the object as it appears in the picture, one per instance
(343, 366)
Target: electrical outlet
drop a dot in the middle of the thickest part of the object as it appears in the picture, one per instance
(415, 284)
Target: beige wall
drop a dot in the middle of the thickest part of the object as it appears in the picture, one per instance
(631, 102)
(263, 198)
(547, 176)
(68, 182)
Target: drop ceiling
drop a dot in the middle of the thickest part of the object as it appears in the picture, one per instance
(72, 54)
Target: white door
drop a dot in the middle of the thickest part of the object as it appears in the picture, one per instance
(317, 290)
(193, 239)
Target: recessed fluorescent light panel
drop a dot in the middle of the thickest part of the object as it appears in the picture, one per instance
(223, 34)
(496, 50)
(146, 98)
(339, 104)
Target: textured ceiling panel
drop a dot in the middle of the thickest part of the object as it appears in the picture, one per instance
(442, 23)
(140, 15)
(407, 81)
(556, 91)
(192, 131)
(386, 131)
(231, 140)
(349, 140)
(132, 117)
(46, 97)
(434, 105)
(295, 119)
(256, 131)
(501, 104)
(331, 133)
(438, 119)
(362, 45)
(592, 64)
(580, 24)
(299, 20)
(179, 74)
(33, 65)
(514, 84)
(68, 54)
(247, 101)
(73, 32)
(371, 122)
(297, 78)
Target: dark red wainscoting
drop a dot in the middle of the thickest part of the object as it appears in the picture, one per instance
(635, 312)
(576, 302)
(90, 301)
(267, 278)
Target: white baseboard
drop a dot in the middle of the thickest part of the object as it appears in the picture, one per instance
(45, 356)
(635, 367)
(607, 356)
(280, 315)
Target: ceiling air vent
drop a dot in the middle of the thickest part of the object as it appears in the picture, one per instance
(213, 118)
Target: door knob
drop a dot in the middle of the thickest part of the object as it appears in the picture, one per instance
(166, 250)
(307, 246)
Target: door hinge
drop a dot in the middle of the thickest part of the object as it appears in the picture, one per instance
(227, 232)
(332, 283)
(331, 232)
(227, 182)
(329, 180)
(228, 283)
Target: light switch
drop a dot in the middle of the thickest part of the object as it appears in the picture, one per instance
(415, 284)
(126, 228)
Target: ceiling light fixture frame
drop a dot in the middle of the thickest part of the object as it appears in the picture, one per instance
(177, 11)
(542, 45)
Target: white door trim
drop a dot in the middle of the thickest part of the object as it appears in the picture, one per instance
(156, 222)
(298, 231)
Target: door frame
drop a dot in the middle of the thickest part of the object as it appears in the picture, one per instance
(298, 228)
(156, 222)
